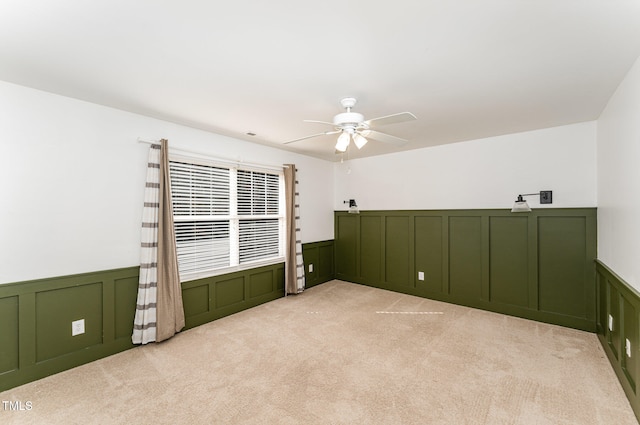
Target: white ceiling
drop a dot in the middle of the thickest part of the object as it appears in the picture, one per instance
(467, 69)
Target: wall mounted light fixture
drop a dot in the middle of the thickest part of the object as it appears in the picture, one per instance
(546, 197)
(353, 207)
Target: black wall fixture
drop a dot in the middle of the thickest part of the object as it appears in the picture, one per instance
(546, 197)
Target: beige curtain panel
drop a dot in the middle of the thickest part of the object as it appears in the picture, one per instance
(294, 266)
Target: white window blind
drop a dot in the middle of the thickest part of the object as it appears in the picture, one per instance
(259, 239)
(225, 218)
(199, 190)
(258, 205)
(258, 193)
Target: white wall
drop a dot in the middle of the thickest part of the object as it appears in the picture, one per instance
(619, 180)
(485, 173)
(72, 177)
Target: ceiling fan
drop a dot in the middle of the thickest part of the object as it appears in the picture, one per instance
(352, 126)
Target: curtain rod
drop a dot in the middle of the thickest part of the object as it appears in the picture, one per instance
(222, 160)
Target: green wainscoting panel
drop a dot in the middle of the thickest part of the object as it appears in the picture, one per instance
(465, 258)
(371, 249)
(214, 297)
(279, 284)
(8, 334)
(310, 258)
(614, 336)
(125, 298)
(428, 253)
(602, 306)
(36, 316)
(562, 265)
(56, 309)
(509, 260)
(261, 284)
(347, 226)
(319, 257)
(46, 308)
(326, 262)
(630, 337)
(229, 292)
(398, 244)
(197, 300)
(618, 300)
(536, 265)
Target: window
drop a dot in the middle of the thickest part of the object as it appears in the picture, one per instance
(225, 218)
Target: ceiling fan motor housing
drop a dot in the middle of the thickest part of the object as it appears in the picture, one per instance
(348, 118)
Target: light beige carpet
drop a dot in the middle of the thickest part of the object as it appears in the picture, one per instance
(342, 353)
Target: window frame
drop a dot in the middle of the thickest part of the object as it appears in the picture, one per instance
(234, 218)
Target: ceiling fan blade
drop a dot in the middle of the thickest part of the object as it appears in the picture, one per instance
(391, 119)
(326, 133)
(384, 138)
(320, 122)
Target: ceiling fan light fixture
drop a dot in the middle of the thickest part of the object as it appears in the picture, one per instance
(352, 125)
(343, 142)
(359, 140)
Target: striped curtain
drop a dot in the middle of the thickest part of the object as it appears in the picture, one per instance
(294, 265)
(159, 310)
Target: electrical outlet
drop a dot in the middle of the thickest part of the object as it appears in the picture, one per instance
(627, 347)
(610, 323)
(310, 268)
(77, 327)
(420, 275)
